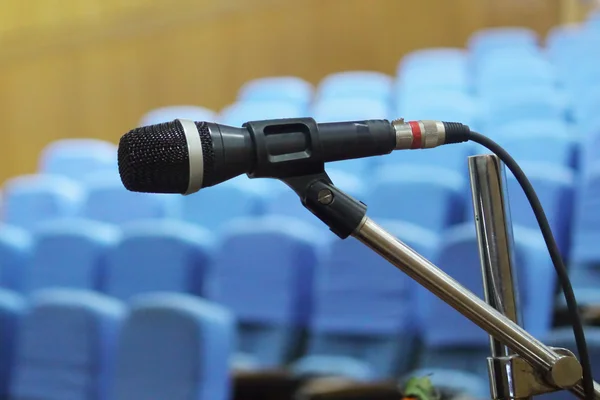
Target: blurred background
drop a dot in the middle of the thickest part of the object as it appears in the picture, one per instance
(238, 291)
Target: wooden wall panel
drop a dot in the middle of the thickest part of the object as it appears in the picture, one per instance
(75, 68)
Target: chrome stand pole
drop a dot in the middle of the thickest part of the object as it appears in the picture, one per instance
(495, 240)
(549, 369)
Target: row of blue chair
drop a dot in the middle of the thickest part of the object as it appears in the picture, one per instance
(79, 345)
(340, 286)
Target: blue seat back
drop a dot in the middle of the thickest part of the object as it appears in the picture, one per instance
(358, 292)
(363, 305)
(240, 112)
(400, 192)
(174, 347)
(15, 253)
(31, 199)
(554, 186)
(356, 84)
(286, 89)
(415, 60)
(586, 221)
(264, 274)
(350, 109)
(445, 327)
(70, 254)
(170, 113)
(75, 158)
(444, 105)
(527, 104)
(67, 337)
(108, 201)
(522, 140)
(12, 308)
(486, 41)
(215, 206)
(155, 256)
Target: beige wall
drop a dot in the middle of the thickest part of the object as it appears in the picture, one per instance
(72, 68)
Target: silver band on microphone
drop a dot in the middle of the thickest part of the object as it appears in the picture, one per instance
(192, 137)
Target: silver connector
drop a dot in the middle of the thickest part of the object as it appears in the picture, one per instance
(419, 134)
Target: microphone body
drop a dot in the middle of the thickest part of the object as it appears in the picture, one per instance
(184, 156)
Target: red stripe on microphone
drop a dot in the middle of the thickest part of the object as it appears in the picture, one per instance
(417, 137)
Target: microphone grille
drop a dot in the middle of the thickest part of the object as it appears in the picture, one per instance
(155, 158)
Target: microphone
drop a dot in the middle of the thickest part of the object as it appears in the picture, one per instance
(183, 156)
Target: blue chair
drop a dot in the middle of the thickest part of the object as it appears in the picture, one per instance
(240, 112)
(450, 340)
(108, 201)
(586, 104)
(514, 72)
(489, 40)
(363, 326)
(586, 225)
(12, 308)
(175, 347)
(215, 206)
(154, 256)
(285, 89)
(31, 199)
(70, 254)
(526, 104)
(263, 274)
(430, 197)
(15, 252)
(74, 158)
(562, 39)
(554, 185)
(452, 158)
(356, 84)
(66, 346)
(168, 114)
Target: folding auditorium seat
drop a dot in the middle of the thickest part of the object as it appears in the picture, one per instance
(351, 109)
(67, 346)
(75, 158)
(12, 307)
(552, 141)
(514, 72)
(356, 84)
(284, 89)
(455, 57)
(219, 204)
(70, 254)
(287, 203)
(175, 347)
(489, 40)
(363, 325)
(168, 114)
(108, 201)
(15, 252)
(450, 340)
(542, 104)
(263, 274)
(31, 199)
(554, 185)
(155, 256)
(441, 105)
(585, 254)
(240, 112)
(430, 197)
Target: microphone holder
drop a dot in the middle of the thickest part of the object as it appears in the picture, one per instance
(520, 366)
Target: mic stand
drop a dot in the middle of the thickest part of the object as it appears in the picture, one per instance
(520, 366)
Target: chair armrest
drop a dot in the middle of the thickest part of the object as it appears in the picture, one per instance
(332, 388)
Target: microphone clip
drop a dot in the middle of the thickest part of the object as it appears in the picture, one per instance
(340, 212)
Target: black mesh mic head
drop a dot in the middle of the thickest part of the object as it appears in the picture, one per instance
(156, 159)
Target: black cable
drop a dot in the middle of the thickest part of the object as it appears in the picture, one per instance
(559, 265)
